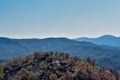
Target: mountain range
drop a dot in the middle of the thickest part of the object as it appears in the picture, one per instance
(105, 56)
(102, 40)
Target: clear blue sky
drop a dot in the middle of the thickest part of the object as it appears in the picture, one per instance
(59, 18)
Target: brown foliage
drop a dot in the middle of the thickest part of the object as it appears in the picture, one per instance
(54, 66)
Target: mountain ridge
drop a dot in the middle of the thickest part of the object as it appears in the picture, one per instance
(109, 40)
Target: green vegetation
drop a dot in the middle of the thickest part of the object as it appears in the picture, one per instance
(1, 72)
(54, 66)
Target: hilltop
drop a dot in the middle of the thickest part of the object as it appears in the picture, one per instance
(54, 66)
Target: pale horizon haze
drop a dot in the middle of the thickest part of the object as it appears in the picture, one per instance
(59, 18)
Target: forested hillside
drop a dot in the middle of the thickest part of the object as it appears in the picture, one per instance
(54, 66)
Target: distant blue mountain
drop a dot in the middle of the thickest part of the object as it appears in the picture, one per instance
(103, 40)
(106, 56)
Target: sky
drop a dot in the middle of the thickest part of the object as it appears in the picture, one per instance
(59, 18)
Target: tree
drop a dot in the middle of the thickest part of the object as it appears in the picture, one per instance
(90, 61)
